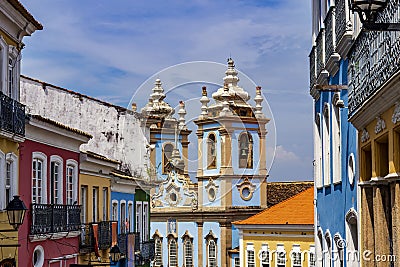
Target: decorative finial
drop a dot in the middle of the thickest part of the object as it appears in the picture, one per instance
(204, 100)
(182, 113)
(225, 104)
(258, 99)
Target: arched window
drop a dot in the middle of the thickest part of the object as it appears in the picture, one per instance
(39, 178)
(56, 179)
(172, 253)
(251, 262)
(212, 253)
(188, 247)
(71, 181)
(245, 150)
(167, 154)
(157, 249)
(211, 151)
(265, 257)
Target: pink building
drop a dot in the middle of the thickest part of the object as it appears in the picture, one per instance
(49, 179)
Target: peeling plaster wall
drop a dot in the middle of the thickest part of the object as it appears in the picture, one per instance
(116, 131)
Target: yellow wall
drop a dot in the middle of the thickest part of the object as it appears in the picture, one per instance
(272, 239)
(7, 146)
(100, 182)
(391, 131)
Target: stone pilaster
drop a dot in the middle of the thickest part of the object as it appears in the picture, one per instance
(367, 223)
(395, 191)
(200, 241)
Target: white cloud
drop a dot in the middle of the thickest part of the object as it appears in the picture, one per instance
(281, 154)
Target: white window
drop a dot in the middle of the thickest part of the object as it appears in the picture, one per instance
(95, 205)
(326, 145)
(250, 255)
(8, 185)
(264, 256)
(311, 257)
(336, 157)
(317, 151)
(39, 175)
(188, 253)
(71, 181)
(172, 253)
(115, 210)
(139, 219)
(237, 262)
(123, 219)
(296, 256)
(56, 180)
(319, 247)
(131, 216)
(280, 256)
(328, 252)
(212, 253)
(158, 251)
(84, 196)
(105, 203)
(145, 221)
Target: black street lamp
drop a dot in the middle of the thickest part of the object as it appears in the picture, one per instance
(16, 212)
(368, 10)
(115, 253)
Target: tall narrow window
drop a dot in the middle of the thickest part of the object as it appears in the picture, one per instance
(55, 182)
(250, 255)
(382, 159)
(237, 262)
(8, 182)
(167, 154)
(130, 215)
(37, 181)
(311, 256)
(328, 257)
(95, 204)
(139, 219)
(336, 156)
(212, 253)
(105, 203)
(280, 256)
(317, 151)
(11, 82)
(211, 151)
(84, 203)
(115, 211)
(326, 146)
(366, 163)
(123, 217)
(296, 256)
(188, 253)
(245, 151)
(70, 185)
(157, 251)
(145, 221)
(264, 259)
(172, 253)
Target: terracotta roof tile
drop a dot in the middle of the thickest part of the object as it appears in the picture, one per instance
(297, 210)
(280, 191)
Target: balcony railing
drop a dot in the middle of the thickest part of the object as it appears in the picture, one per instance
(54, 218)
(329, 33)
(313, 75)
(320, 47)
(373, 60)
(104, 236)
(12, 115)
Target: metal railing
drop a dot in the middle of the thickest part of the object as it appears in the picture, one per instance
(104, 236)
(54, 218)
(12, 115)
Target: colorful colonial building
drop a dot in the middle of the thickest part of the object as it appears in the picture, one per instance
(15, 23)
(191, 222)
(49, 173)
(335, 139)
(280, 236)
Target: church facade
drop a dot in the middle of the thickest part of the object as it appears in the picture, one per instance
(191, 222)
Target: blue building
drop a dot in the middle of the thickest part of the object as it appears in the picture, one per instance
(335, 139)
(191, 222)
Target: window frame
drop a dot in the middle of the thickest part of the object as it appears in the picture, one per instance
(74, 164)
(105, 203)
(39, 156)
(58, 160)
(84, 203)
(174, 257)
(296, 251)
(95, 204)
(265, 249)
(250, 255)
(212, 147)
(249, 148)
(158, 247)
(114, 210)
(280, 250)
(165, 158)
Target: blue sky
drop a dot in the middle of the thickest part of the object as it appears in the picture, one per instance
(107, 49)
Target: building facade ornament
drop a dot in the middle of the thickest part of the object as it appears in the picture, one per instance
(364, 136)
(396, 113)
(380, 125)
(246, 189)
(212, 190)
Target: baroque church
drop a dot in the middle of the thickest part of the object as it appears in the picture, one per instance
(191, 222)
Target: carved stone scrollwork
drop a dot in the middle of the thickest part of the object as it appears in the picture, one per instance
(364, 136)
(396, 113)
(246, 189)
(380, 125)
(212, 190)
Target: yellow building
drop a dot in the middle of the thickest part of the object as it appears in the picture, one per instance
(15, 23)
(95, 195)
(280, 236)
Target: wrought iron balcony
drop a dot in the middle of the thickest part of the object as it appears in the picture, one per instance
(313, 74)
(104, 236)
(373, 61)
(329, 33)
(54, 218)
(320, 50)
(343, 27)
(12, 116)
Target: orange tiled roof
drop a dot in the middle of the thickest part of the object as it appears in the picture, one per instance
(296, 210)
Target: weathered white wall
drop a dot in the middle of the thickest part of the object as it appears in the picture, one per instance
(116, 131)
